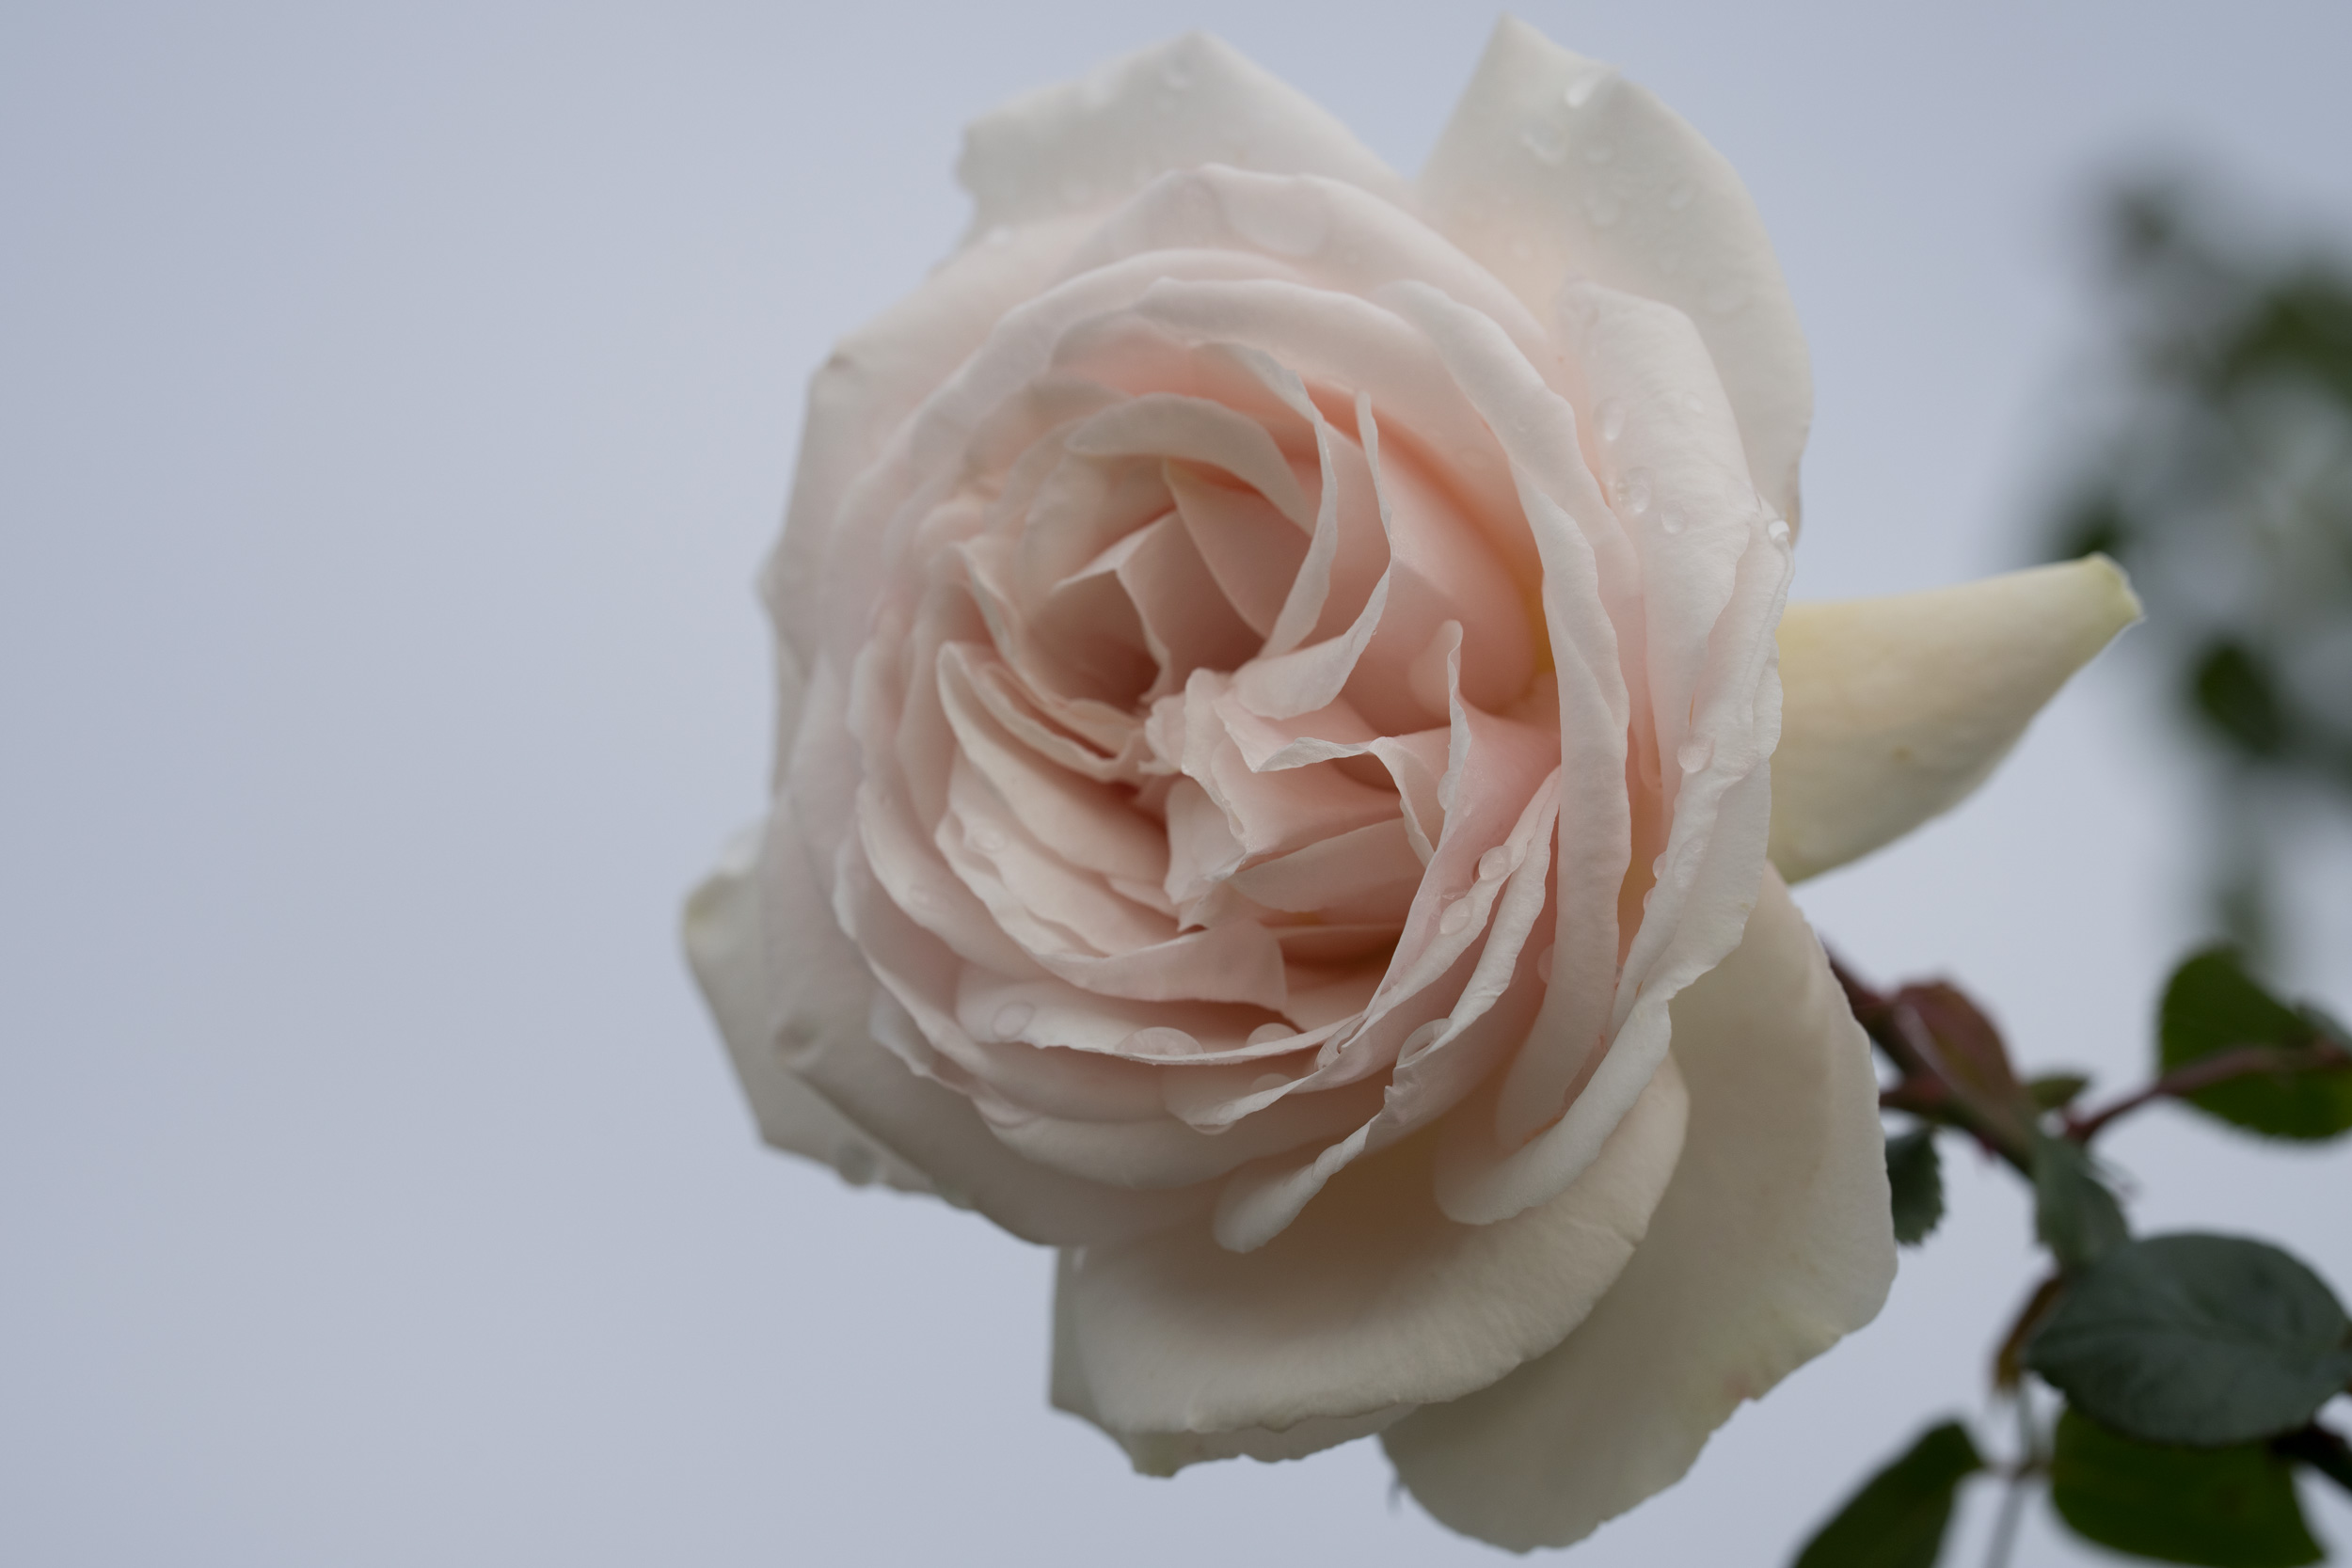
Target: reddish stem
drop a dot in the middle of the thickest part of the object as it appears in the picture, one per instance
(2244, 1061)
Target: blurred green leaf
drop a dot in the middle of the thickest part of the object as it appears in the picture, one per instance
(1899, 1517)
(2221, 1508)
(2212, 1006)
(2074, 1213)
(2192, 1338)
(2054, 1091)
(2320, 1449)
(2234, 692)
(1914, 1175)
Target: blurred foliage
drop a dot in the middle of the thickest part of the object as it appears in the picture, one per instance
(2224, 486)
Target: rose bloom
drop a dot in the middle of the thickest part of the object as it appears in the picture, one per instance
(1287, 776)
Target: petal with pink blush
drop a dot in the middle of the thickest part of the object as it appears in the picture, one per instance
(1773, 1241)
(1372, 1299)
(1555, 167)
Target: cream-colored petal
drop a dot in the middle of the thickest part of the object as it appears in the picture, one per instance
(1895, 709)
(1371, 1298)
(724, 944)
(1772, 1242)
(1556, 167)
(1083, 145)
(1163, 1453)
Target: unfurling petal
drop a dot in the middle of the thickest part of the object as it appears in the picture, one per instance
(1773, 1241)
(1895, 709)
(1372, 1299)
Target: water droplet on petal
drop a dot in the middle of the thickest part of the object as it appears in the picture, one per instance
(1777, 531)
(1494, 865)
(1610, 416)
(795, 1034)
(1695, 754)
(1671, 519)
(1266, 1033)
(988, 841)
(1458, 914)
(1634, 492)
(1543, 139)
(1267, 1080)
(1011, 1018)
(1694, 403)
(1679, 195)
(1580, 91)
(856, 1163)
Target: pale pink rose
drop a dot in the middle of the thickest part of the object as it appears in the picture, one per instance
(1278, 699)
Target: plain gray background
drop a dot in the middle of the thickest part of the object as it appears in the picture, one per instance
(394, 402)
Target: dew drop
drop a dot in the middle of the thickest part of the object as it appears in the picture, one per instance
(1634, 492)
(1777, 531)
(1267, 1080)
(1011, 1018)
(1611, 414)
(988, 841)
(1543, 966)
(1580, 91)
(1266, 1034)
(1671, 519)
(856, 1163)
(1543, 139)
(1458, 914)
(795, 1034)
(1678, 196)
(1694, 403)
(1494, 865)
(1695, 754)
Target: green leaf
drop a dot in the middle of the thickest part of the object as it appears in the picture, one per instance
(2054, 1091)
(2233, 692)
(2320, 1449)
(2073, 1212)
(2211, 1005)
(2189, 1339)
(1914, 1175)
(2222, 1507)
(1899, 1517)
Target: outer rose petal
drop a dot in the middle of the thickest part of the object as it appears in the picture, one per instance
(1554, 167)
(1895, 709)
(1772, 1242)
(798, 1023)
(1370, 1300)
(723, 944)
(1083, 145)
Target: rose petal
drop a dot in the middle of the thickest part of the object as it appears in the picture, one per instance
(725, 945)
(1555, 167)
(1897, 707)
(1772, 1242)
(1083, 146)
(1372, 1299)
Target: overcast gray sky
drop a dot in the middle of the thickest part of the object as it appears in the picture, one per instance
(394, 402)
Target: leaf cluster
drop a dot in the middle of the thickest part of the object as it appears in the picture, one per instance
(2194, 1367)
